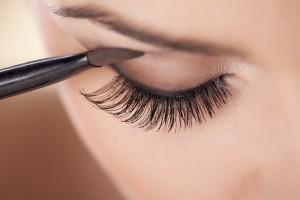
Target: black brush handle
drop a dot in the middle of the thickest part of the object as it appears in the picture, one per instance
(36, 74)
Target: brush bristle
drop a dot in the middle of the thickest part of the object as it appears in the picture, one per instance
(104, 56)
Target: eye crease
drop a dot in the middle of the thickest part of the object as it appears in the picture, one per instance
(154, 109)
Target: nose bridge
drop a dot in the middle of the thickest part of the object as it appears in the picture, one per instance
(289, 90)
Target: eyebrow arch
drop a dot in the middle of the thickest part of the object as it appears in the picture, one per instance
(114, 22)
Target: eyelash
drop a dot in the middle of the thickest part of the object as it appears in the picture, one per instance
(149, 110)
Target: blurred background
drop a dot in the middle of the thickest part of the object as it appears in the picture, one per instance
(41, 157)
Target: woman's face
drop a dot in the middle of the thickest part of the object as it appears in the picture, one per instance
(237, 61)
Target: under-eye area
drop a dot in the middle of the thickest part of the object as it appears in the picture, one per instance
(155, 109)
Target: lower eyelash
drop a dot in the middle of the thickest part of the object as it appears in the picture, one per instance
(147, 110)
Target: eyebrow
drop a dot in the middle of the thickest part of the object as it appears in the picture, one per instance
(116, 23)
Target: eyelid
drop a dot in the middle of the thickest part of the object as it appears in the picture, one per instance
(163, 92)
(174, 71)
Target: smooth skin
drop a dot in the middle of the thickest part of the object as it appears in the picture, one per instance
(249, 150)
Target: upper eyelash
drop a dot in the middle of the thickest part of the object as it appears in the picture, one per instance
(142, 107)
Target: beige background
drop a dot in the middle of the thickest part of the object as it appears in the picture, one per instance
(41, 157)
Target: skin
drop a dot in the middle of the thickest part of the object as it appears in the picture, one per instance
(249, 150)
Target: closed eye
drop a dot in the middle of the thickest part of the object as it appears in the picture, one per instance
(151, 108)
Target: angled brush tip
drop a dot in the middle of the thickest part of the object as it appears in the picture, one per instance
(105, 56)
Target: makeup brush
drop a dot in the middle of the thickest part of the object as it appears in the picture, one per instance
(40, 73)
